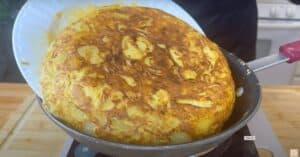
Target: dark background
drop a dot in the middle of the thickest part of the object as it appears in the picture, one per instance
(9, 71)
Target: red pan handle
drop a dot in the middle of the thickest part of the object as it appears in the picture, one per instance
(291, 51)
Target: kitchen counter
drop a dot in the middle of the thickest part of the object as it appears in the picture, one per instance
(25, 131)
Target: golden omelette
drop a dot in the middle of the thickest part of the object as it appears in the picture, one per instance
(137, 75)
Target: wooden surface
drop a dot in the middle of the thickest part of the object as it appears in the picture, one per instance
(11, 97)
(26, 132)
(282, 108)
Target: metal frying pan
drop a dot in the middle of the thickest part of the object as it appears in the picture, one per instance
(246, 105)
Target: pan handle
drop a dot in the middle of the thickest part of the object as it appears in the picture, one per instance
(287, 53)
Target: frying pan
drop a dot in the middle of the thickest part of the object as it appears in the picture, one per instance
(246, 105)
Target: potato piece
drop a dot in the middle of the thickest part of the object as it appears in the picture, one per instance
(153, 119)
(121, 27)
(163, 46)
(129, 80)
(101, 119)
(130, 50)
(197, 103)
(134, 111)
(121, 125)
(107, 106)
(204, 126)
(176, 56)
(91, 54)
(170, 124)
(116, 95)
(211, 55)
(122, 104)
(160, 98)
(189, 74)
(73, 114)
(105, 39)
(148, 61)
(95, 93)
(60, 58)
(144, 44)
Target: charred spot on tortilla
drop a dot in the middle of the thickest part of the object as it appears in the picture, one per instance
(137, 75)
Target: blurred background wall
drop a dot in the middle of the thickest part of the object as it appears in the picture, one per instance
(9, 71)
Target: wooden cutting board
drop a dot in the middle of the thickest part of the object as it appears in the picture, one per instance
(27, 131)
(13, 104)
(281, 104)
(11, 97)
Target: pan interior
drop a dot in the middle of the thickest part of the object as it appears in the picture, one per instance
(247, 89)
